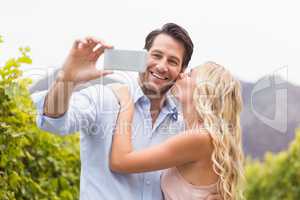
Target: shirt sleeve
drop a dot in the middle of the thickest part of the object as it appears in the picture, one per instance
(82, 112)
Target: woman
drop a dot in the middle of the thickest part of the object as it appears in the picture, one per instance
(206, 157)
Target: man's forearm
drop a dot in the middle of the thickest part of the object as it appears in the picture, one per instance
(58, 98)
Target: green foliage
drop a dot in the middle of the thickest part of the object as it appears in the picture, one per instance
(278, 177)
(33, 164)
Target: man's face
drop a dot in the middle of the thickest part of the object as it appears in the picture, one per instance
(164, 64)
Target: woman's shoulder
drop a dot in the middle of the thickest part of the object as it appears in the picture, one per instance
(198, 139)
(196, 134)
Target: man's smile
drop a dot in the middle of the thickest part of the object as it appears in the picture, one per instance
(158, 76)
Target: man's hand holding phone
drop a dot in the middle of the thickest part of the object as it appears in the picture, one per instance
(80, 65)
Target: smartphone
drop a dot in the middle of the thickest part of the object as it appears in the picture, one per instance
(125, 60)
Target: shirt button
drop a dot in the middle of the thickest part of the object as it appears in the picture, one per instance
(148, 182)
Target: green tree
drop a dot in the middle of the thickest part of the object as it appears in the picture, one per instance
(278, 177)
(33, 164)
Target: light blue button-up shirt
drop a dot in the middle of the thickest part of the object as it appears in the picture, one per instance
(93, 111)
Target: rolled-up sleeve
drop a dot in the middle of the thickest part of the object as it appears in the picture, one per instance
(81, 112)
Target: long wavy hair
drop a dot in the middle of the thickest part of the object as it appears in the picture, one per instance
(218, 101)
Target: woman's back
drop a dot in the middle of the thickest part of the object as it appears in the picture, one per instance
(176, 187)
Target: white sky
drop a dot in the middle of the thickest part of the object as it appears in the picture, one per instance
(251, 38)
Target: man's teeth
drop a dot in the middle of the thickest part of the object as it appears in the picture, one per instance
(159, 77)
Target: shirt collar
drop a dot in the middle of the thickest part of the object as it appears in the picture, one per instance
(171, 104)
(136, 92)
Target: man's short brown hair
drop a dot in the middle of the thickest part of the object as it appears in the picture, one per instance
(179, 34)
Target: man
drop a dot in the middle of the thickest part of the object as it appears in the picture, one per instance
(93, 111)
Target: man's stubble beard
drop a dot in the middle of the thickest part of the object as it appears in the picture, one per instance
(151, 91)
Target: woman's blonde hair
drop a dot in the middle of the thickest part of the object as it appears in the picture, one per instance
(218, 101)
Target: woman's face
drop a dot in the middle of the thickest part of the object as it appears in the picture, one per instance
(185, 86)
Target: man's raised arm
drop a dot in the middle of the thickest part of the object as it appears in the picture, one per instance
(79, 67)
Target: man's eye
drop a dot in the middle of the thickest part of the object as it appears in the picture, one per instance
(173, 62)
(156, 55)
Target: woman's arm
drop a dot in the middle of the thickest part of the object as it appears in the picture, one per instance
(121, 145)
(188, 146)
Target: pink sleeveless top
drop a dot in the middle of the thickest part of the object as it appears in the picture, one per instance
(175, 187)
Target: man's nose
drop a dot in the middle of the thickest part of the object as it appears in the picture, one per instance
(162, 66)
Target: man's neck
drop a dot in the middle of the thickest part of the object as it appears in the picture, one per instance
(155, 107)
(157, 101)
